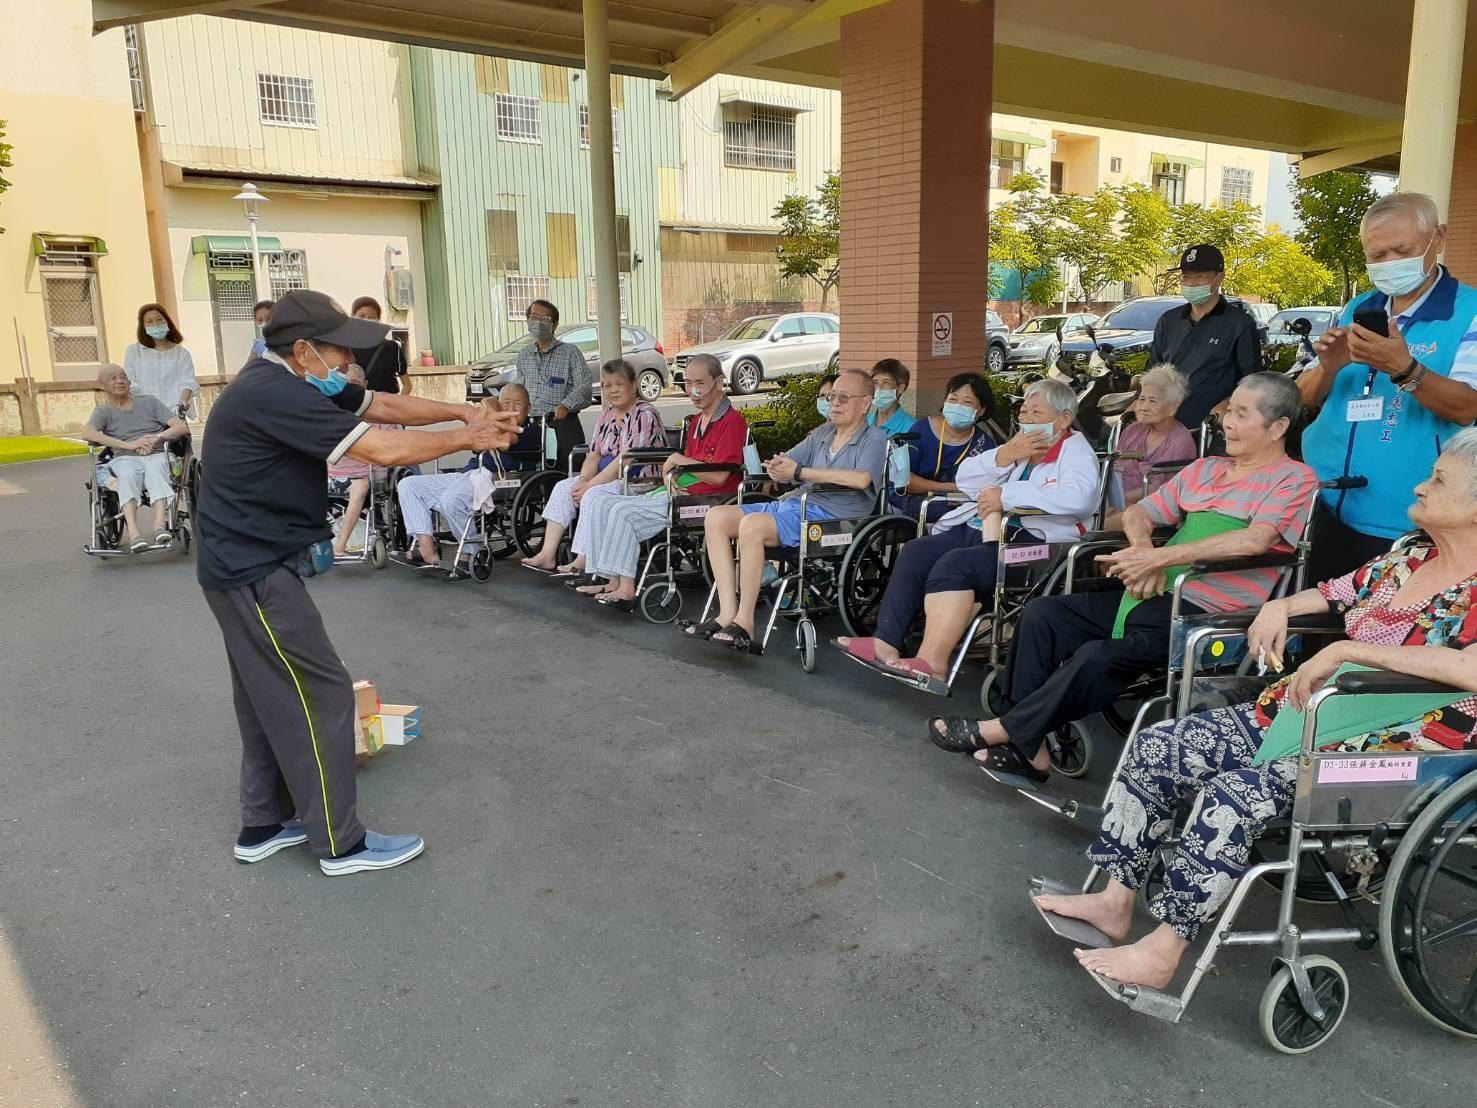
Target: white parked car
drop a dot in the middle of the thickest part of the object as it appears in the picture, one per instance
(763, 347)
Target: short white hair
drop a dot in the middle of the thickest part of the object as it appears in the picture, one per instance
(1058, 394)
(1417, 205)
(1169, 382)
(1463, 445)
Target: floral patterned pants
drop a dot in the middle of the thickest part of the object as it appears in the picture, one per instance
(1208, 753)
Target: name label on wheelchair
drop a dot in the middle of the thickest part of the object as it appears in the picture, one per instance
(1338, 771)
(507, 483)
(841, 538)
(1015, 555)
(693, 511)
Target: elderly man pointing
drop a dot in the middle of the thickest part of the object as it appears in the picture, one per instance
(1396, 377)
(262, 527)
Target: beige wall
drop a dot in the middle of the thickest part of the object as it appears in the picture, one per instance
(344, 238)
(203, 89)
(712, 194)
(65, 98)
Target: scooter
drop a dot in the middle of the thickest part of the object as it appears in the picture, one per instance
(1104, 390)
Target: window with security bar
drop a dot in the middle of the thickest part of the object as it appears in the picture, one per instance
(759, 138)
(287, 270)
(519, 118)
(1169, 181)
(615, 128)
(135, 66)
(1236, 185)
(286, 101)
(73, 315)
(1007, 160)
(592, 299)
(520, 290)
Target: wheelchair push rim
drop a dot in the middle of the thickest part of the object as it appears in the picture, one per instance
(866, 569)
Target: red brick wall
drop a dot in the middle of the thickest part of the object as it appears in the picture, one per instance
(915, 158)
(1461, 216)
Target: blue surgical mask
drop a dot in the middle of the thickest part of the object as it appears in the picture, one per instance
(959, 416)
(1197, 294)
(884, 398)
(823, 405)
(331, 385)
(1400, 275)
(157, 331)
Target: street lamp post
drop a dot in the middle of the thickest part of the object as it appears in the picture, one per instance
(250, 198)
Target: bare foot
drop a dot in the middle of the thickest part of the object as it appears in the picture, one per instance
(595, 590)
(538, 561)
(621, 594)
(1151, 961)
(576, 566)
(1109, 912)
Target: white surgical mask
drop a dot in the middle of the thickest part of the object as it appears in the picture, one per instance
(1400, 275)
(157, 331)
(1047, 429)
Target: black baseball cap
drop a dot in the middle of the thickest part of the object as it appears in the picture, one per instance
(317, 317)
(1202, 258)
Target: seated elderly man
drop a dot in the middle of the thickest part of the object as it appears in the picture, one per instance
(136, 428)
(451, 495)
(618, 525)
(842, 451)
(1046, 466)
(1074, 655)
(1412, 611)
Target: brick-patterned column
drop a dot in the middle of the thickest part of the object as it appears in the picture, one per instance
(1461, 214)
(915, 160)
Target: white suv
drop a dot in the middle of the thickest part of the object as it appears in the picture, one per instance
(766, 346)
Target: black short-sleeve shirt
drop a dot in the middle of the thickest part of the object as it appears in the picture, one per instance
(383, 366)
(264, 480)
(1213, 354)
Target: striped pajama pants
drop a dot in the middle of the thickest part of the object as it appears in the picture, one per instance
(617, 527)
(561, 509)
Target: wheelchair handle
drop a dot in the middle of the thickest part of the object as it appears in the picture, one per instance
(904, 436)
(1340, 483)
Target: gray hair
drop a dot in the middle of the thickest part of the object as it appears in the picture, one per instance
(1417, 205)
(1169, 382)
(1058, 394)
(1277, 396)
(709, 364)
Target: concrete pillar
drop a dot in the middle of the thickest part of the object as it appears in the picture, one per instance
(1432, 92)
(915, 159)
(602, 176)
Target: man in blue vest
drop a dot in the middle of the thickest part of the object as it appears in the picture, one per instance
(1388, 402)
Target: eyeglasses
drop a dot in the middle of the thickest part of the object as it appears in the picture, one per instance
(844, 397)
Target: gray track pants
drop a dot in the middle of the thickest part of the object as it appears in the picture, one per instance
(295, 707)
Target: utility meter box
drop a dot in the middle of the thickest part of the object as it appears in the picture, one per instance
(401, 290)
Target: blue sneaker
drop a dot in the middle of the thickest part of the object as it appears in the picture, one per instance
(379, 852)
(292, 834)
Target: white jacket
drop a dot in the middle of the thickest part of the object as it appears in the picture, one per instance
(1064, 486)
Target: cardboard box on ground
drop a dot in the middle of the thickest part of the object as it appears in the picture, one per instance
(378, 725)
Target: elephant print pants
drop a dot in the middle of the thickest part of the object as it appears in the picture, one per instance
(1210, 753)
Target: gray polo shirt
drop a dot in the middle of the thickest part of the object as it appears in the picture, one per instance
(867, 451)
(147, 416)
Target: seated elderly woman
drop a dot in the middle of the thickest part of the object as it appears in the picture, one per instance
(627, 423)
(1074, 655)
(1412, 611)
(1154, 437)
(842, 451)
(1046, 466)
(451, 495)
(136, 428)
(940, 443)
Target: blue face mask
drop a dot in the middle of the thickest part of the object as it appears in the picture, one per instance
(884, 398)
(1400, 275)
(823, 405)
(959, 416)
(157, 331)
(331, 385)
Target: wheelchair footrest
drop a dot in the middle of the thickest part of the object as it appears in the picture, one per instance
(1142, 999)
(1010, 780)
(1072, 809)
(1073, 930)
(912, 680)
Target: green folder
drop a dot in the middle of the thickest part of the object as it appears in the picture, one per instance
(1197, 526)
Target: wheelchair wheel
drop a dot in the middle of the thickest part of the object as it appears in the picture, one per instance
(805, 643)
(1287, 1025)
(866, 568)
(991, 695)
(379, 552)
(661, 602)
(184, 539)
(1428, 916)
(1071, 749)
(482, 565)
(528, 510)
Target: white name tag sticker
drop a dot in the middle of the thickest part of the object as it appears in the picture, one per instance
(842, 538)
(507, 483)
(1014, 555)
(693, 511)
(1366, 409)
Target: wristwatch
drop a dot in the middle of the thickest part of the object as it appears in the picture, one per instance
(1411, 379)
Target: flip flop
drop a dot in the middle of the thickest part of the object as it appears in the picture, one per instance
(916, 672)
(163, 538)
(705, 630)
(738, 640)
(538, 569)
(581, 581)
(138, 546)
(862, 649)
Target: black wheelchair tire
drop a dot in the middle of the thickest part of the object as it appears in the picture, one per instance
(528, 507)
(867, 567)
(660, 602)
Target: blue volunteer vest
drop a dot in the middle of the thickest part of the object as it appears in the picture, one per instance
(1396, 453)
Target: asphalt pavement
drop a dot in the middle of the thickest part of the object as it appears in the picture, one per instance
(658, 874)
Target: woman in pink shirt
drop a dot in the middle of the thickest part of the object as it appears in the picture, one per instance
(1155, 437)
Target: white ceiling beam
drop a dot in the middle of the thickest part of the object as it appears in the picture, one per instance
(730, 42)
(1346, 156)
(107, 14)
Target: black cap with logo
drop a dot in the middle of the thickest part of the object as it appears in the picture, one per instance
(1203, 258)
(317, 317)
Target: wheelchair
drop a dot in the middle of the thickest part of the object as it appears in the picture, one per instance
(376, 521)
(1411, 814)
(105, 514)
(525, 518)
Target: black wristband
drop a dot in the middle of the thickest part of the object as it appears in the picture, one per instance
(798, 468)
(1405, 376)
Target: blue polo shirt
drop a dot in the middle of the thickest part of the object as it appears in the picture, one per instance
(1396, 451)
(899, 423)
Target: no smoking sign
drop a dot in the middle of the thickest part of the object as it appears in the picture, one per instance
(943, 334)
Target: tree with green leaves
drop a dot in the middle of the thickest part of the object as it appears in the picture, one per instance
(810, 235)
(1230, 228)
(1023, 240)
(5, 162)
(1273, 267)
(1329, 206)
(1115, 234)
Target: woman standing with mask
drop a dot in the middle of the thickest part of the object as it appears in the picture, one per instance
(558, 380)
(158, 365)
(942, 442)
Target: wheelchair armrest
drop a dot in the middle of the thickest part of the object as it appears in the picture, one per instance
(1269, 560)
(829, 487)
(1388, 681)
(753, 423)
(709, 467)
(1328, 624)
(646, 454)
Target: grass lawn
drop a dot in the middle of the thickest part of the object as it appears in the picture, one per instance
(32, 448)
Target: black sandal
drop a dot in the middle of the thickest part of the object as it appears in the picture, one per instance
(705, 630)
(961, 735)
(1005, 758)
(738, 640)
(621, 605)
(581, 581)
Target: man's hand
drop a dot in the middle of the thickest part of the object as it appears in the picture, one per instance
(1021, 447)
(1333, 349)
(781, 467)
(673, 461)
(492, 430)
(1314, 673)
(1140, 568)
(988, 502)
(561, 412)
(1388, 354)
